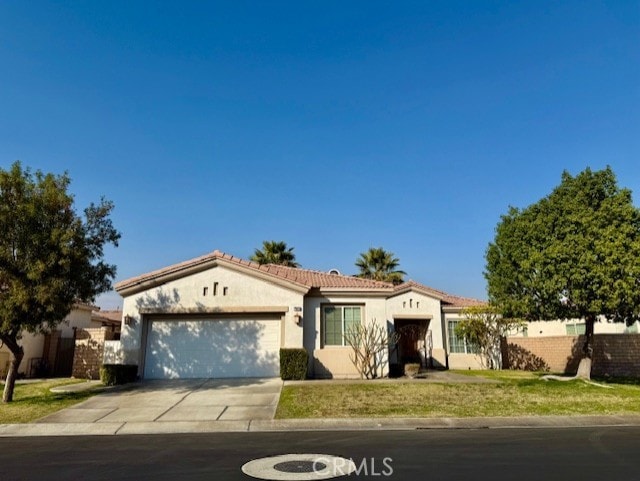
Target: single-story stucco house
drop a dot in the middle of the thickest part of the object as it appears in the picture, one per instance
(220, 316)
(57, 354)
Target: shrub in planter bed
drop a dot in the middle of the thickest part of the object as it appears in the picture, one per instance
(293, 363)
(112, 374)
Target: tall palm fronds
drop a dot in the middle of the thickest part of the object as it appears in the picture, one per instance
(379, 265)
(275, 252)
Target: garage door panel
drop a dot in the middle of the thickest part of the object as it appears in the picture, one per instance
(212, 349)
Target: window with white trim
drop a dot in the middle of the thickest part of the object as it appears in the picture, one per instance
(458, 345)
(576, 328)
(336, 320)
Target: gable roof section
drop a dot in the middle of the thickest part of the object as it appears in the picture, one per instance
(321, 280)
(295, 278)
(448, 300)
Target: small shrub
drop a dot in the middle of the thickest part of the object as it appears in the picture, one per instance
(113, 374)
(293, 364)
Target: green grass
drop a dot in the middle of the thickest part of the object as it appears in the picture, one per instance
(32, 401)
(516, 394)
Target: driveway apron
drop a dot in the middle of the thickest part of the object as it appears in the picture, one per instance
(167, 401)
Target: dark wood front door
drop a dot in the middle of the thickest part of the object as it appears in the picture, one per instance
(412, 335)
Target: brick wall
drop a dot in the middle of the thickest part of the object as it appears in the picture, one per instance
(613, 354)
(88, 355)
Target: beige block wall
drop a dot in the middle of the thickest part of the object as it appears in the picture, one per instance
(89, 352)
(613, 354)
(242, 290)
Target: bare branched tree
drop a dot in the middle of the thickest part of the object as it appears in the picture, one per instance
(370, 344)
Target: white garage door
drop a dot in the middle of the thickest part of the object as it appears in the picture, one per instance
(212, 348)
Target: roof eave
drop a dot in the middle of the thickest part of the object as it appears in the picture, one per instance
(126, 288)
(356, 291)
(424, 292)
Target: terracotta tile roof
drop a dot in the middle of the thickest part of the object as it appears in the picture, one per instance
(304, 277)
(321, 279)
(449, 300)
(108, 317)
(457, 301)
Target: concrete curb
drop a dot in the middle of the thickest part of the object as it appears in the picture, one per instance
(79, 387)
(377, 424)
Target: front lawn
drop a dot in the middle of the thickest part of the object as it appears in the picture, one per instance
(517, 394)
(32, 401)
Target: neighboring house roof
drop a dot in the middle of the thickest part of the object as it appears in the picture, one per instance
(113, 317)
(84, 306)
(307, 278)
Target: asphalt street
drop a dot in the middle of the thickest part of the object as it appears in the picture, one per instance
(596, 453)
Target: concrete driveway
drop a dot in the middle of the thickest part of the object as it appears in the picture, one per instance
(176, 405)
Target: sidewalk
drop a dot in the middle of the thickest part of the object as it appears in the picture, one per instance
(257, 425)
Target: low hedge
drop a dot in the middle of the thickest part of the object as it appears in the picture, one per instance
(293, 363)
(112, 374)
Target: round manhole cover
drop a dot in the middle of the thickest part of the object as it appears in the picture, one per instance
(299, 467)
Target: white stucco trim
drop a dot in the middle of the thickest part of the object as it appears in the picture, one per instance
(350, 292)
(424, 292)
(214, 310)
(452, 309)
(412, 316)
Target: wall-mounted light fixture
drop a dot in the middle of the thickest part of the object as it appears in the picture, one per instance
(297, 315)
(129, 320)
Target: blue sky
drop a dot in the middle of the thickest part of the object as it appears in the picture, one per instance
(334, 126)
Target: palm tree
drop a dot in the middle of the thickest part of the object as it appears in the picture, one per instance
(379, 265)
(274, 252)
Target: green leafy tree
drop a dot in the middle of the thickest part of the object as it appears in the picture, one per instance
(573, 254)
(484, 328)
(50, 257)
(379, 265)
(274, 252)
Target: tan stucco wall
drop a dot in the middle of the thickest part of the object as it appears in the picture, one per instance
(459, 360)
(243, 291)
(559, 327)
(416, 304)
(464, 361)
(32, 345)
(333, 361)
(80, 318)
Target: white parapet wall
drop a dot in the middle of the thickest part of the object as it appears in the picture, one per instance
(115, 354)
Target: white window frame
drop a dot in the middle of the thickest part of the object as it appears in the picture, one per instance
(342, 307)
(467, 348)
